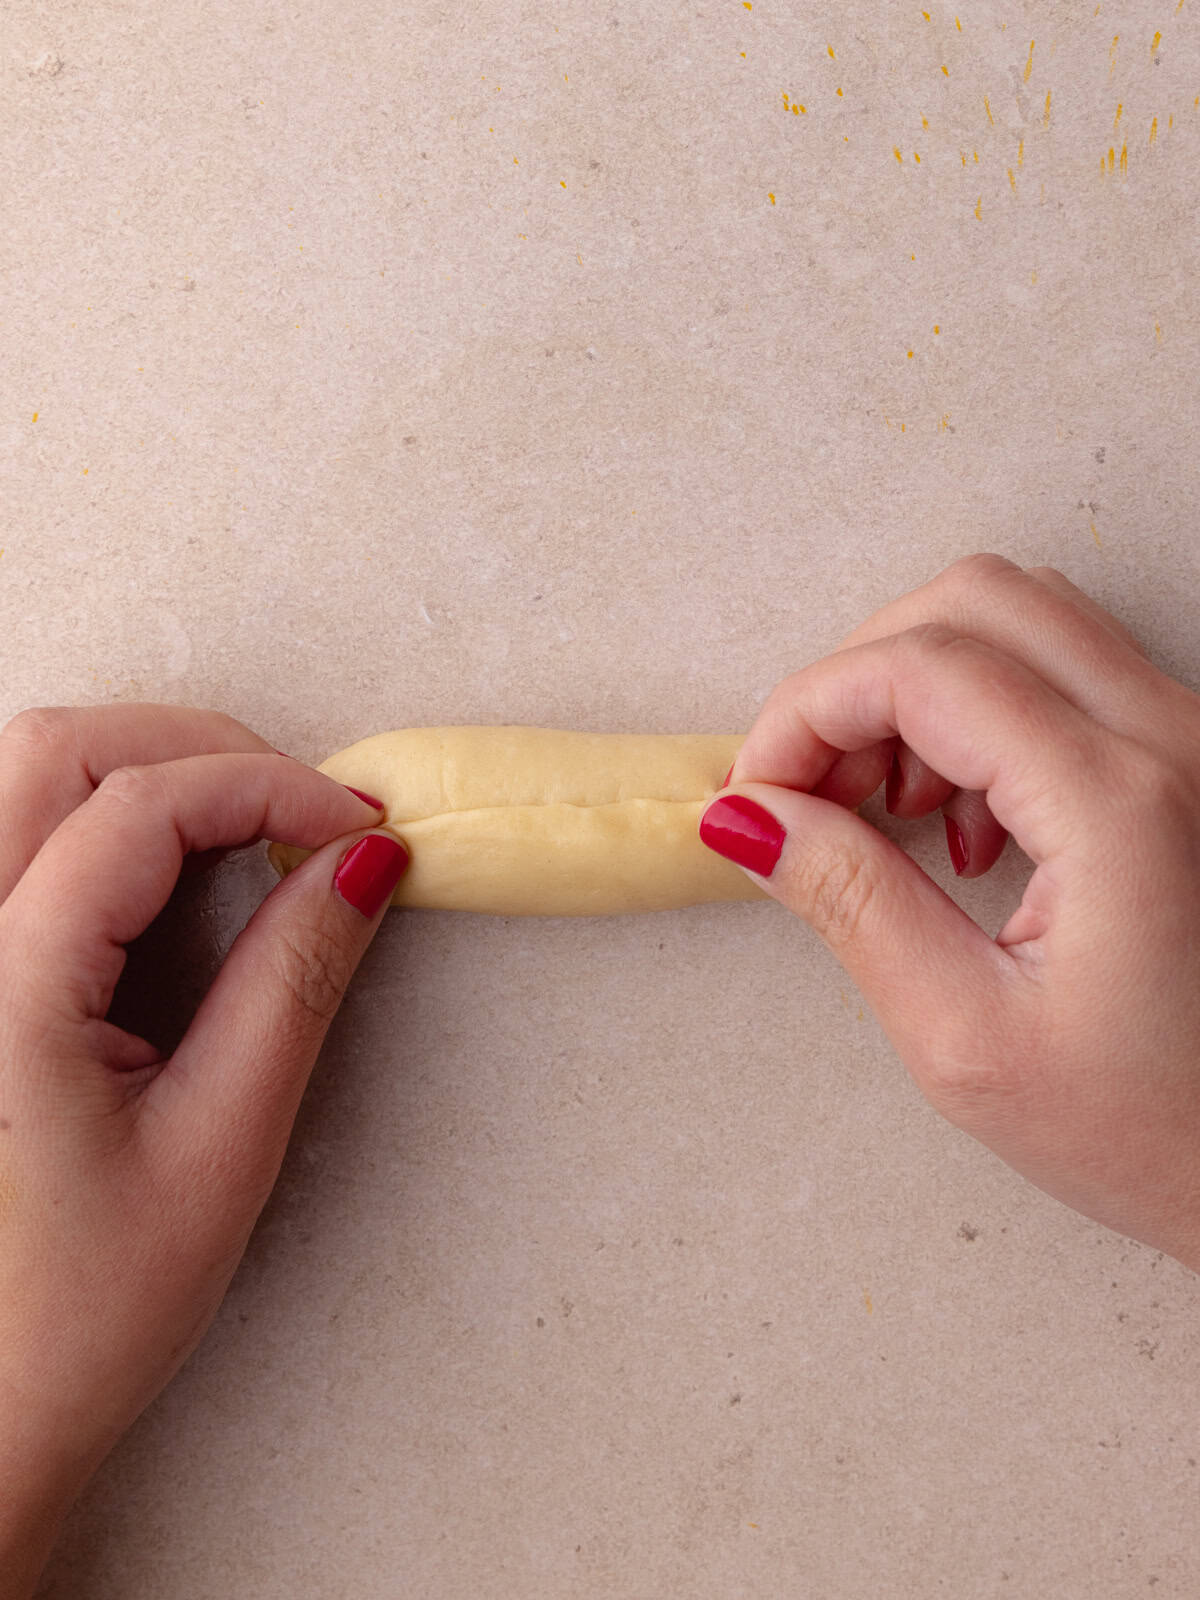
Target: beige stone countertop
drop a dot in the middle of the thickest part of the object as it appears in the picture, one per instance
(596, 365)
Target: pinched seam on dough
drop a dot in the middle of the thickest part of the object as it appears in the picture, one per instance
(542, 805)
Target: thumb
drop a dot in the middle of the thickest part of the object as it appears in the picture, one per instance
(237, 1078)
(914, 955)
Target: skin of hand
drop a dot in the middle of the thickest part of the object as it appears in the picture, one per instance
(129, 1183)
(1070, 1042)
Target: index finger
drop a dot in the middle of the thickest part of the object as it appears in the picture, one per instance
(52, 758)
(976, 715)
(109, 868)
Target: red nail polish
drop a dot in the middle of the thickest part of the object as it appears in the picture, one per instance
(369, 871)
(895, 784)
(742, 831)
(285, 755)
(369, 798)
(728, 775)
(958, 846)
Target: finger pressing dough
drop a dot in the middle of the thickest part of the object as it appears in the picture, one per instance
(540, 822)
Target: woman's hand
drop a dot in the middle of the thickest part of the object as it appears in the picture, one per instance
(129, 1184)
(1070, 1043)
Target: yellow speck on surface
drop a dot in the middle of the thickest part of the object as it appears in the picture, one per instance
(925, 123)
(1112, 54)
(752, 1524)
(866, 1296)
(979, 209)
(1124, 160)
(1155, 42)
(35, 415)
(896, 153)
(1021, 154)
(903, 429)
(1033, 276)
(936, 328)
(946, 71)
(785, 97)
(798, 108)
(1029, 63)
(977, 158)
(916, 158)
(1120, 108)
(742, 53)
(925, 14)
(832, 57)
(988, 108)
(910, 355)
(561, 184)
(770, 197)
(1153, 129)
(944, 422)
(1046, 118)
(1170, 122)
(579, 258)
(85, 472)
(1112, 156)
(958, 24)
(840, 95)
(1158, 338)
(1095, 536)
(1012, 182)
(964, 159)
(747, 5)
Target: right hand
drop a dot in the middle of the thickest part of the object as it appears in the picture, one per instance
(1070, 1043)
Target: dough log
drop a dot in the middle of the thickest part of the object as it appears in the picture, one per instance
(533, 822)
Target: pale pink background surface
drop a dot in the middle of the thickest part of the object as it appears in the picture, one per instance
(398, 364)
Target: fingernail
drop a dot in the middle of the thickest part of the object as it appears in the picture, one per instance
(728, 775)
(369, 798)
(370, 871)
(741, 830)
(895, 783)
(285, 755)
(958, 846)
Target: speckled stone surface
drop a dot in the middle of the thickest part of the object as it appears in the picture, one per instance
(596, 365)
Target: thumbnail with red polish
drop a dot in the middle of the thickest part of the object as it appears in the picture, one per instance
(742, 831)
(369, 872)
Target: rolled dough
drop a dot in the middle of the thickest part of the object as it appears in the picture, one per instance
(533, 822)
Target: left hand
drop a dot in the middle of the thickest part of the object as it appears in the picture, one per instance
(129, 1183)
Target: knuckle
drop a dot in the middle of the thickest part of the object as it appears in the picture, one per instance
(840, 895)
(978, 1084)
(1154, 783)
(967, 1089)
(40, 729)
(315, 969)
(132, 786)
(974, 572)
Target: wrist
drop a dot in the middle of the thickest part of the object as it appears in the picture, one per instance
(38, 1486)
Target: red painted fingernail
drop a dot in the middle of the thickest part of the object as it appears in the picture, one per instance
(369, 798)
(895, 783)
(728, 775)
(369, 871)
(742, 831)
(958, 846)
(285, 755)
